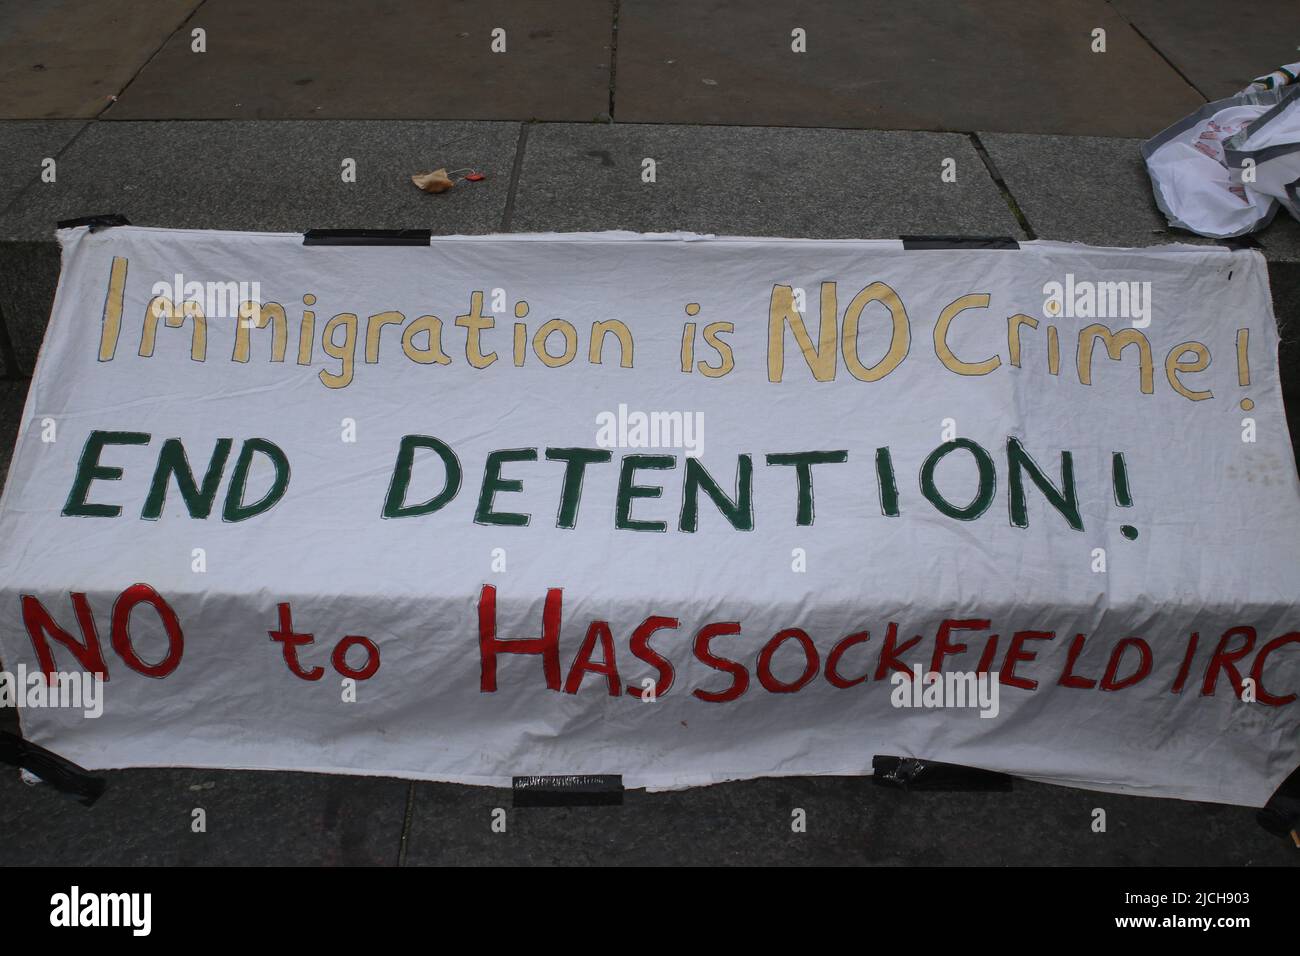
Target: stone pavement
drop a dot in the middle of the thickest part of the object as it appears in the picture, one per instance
(298, 819)
(996, 65)
(749, 138)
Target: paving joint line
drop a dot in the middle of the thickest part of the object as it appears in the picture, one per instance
(991, 168)
(1159, 52)
(521, 144)
(140, 69)
(613, 60)
(406, 824)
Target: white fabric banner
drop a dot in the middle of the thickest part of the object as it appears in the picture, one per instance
(683, 508)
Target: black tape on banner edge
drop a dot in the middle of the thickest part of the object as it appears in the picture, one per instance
(568, 790)
(367, 237)
(63, 775)
(959, 242)
(96, 223)
(910, 773)
(1240, 242)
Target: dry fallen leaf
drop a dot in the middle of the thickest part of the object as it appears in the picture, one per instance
(434, 182)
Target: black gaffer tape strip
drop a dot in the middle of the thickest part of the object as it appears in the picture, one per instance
(104, 221)
(367, 237)
(569, 790)
(959, 242)
(910, 773)
(63, 775)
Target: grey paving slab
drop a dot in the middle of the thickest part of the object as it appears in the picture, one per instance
(400, 59)
(1284, 280)
(253, 818)
(29, 274)
(997, 65)
(66, 58)
(850, 821)
(1281, 240)
(1082, 188)
(274, 176)
(13, 395)
(1218, 44)
(1281, 244)
(24, 148)
(755, 181)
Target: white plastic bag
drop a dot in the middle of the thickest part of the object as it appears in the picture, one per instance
(1265, 156)
(1271, 81)
(1195, 166)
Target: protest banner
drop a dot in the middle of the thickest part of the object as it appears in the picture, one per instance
(685, 509)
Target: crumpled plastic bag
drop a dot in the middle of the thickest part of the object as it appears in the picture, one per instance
(1196, 166)
(1270, 149)
(1279, 77)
